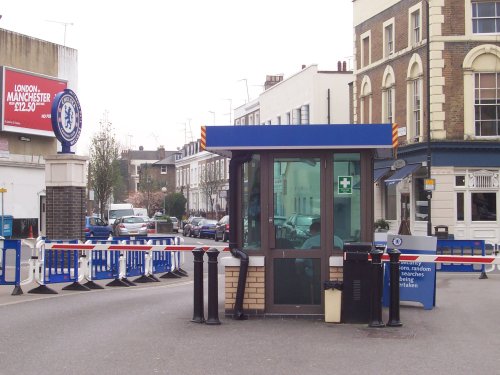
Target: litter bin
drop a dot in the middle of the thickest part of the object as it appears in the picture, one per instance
(333, 301)
(356, 287)
(6, 231)
(441, 232)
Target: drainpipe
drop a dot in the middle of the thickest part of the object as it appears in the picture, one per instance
(234, 165)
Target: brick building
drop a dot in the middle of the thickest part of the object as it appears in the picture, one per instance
(392, 51)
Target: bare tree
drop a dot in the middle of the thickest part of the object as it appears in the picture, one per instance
(104, 166)
(211, 182)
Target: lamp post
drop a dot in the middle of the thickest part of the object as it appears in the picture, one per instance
(429, 158)
(230, 111)
(164, 191)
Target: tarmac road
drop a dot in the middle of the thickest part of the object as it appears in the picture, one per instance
(147, 330)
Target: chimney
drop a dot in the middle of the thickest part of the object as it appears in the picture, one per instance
(272, 80)
(344, 66)
(339, 66)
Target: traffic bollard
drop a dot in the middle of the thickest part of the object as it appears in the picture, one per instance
(394, 289)
(213, 288)
(198, 316)
(377, 276)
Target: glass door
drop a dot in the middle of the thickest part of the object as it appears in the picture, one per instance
(296, 236)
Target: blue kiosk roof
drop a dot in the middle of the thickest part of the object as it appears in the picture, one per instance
(297, 137)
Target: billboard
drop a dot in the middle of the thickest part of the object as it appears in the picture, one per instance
(26, 100)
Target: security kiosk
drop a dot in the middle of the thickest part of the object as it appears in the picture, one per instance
(297, 194)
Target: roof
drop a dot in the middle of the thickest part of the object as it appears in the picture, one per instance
(223, 139)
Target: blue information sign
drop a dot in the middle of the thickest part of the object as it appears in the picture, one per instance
(417, 280)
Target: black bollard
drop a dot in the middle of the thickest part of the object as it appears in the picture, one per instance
(213, 287)
(198, 316)
(376, 290)
(394, 289)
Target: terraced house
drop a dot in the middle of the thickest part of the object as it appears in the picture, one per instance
(437, 58)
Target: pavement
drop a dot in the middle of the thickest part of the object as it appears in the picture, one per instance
(461, 335)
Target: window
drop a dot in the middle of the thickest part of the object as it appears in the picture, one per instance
(237, 121)
(278, 120)
(415, 27)
(483, 206)
(304, 114)
(257, 118)
(460, 206)
(416, 106)
(296, 116)
(288, 119)
(243, 121)
(250, 120)
(389, 39)
(486, 104)
(388, 106)
(485, 17)
(365, 51)
(163, 169)
(460, 180)
(421, 203)
(390, 201)
(250, 204)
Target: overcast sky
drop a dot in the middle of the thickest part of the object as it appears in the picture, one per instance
(159, 68)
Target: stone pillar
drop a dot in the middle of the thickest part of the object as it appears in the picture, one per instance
(65, 180)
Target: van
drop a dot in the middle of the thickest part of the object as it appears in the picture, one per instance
(116, 210)
(141, 211)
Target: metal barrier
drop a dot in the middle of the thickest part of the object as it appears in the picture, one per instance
(462, 248)
(8, 246)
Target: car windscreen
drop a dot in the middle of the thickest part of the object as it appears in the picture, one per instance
(113, 214)
(133, 220)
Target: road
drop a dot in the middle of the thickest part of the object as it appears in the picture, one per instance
(147, 330)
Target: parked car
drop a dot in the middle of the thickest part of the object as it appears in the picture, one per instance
(175, 224)
(205, 228)
(130, 226)
(222, 229)
(95, 227)
(296, 228)
(187, 231)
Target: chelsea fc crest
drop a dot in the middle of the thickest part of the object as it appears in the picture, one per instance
(66, 117)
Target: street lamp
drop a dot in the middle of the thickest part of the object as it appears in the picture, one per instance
(164, 191)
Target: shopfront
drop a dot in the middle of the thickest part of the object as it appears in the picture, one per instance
(301, 192)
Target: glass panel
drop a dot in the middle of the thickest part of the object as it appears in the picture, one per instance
(486, 9)
(390, 202)
(251, 204)
(297, 202)
(486, 26)
(459, 180)
(483, 206)
(346, 198)
(297, 281)
(488, 128)
(460, 206)
(421, 204)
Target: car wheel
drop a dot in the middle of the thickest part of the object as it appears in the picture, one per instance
(224, 237)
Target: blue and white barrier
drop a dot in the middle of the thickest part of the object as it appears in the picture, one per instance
(11, 253)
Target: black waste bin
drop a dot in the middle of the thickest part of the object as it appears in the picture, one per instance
(441, 232)
(356, 285)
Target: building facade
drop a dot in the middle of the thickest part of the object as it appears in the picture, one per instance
(33, 71)
(415, 59)
(202, 177)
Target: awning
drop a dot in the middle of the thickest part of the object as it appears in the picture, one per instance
(379, 173)
(402, 173)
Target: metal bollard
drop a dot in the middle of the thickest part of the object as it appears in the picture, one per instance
(376, 290)
(198, 316)
(213, 288)
(394, 289)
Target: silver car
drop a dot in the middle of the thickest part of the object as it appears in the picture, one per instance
(130, 226)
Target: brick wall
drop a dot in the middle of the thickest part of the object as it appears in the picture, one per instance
(254, 298)
(454, 17)
(65, 212)
(337, 273)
